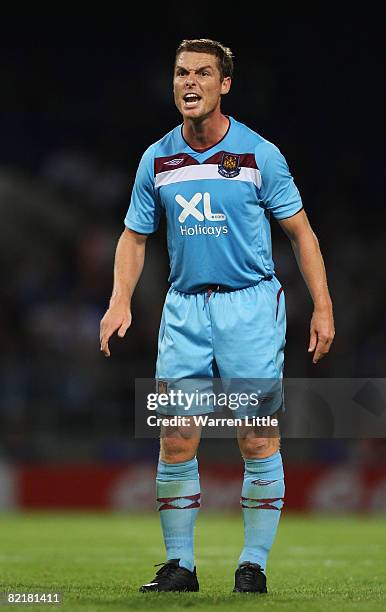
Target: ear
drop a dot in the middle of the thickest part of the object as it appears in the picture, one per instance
(226, 85)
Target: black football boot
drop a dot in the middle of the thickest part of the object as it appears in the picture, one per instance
(250, 578)
(172, 577)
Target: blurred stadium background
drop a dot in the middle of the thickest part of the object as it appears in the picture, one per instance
(78, 107)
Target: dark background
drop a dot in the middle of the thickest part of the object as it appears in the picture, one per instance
(80, 101)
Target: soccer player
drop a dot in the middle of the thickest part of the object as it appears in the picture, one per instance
(218, 182)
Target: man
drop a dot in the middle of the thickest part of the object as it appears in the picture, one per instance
(218, 182)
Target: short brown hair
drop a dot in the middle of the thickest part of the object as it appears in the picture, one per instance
(206, 45)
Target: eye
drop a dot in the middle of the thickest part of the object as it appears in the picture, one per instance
(205, 73)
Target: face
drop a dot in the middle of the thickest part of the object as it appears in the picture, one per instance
(197, 84)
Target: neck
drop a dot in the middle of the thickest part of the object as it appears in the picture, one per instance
(205, 132)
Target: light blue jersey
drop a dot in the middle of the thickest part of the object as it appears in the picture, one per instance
(217, 203)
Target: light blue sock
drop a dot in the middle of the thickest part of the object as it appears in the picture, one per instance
(262, 500)
(178, 501)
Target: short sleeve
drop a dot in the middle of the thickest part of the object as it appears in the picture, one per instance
(144, 211)
(278, 190)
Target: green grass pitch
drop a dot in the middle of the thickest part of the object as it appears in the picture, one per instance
(98, 561)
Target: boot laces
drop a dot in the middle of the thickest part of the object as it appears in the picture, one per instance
(167, 570)
(248, 573)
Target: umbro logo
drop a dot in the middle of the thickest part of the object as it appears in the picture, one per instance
(174, 162)
(262, 482)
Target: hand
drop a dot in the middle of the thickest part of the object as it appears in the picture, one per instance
(322, 333)
(117, 317)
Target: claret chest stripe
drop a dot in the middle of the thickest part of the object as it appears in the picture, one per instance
(182, 167)
(245, 160)
(173, 162)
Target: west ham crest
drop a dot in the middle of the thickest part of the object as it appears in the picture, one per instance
(229, 166)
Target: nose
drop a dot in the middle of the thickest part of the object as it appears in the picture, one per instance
(190, 79)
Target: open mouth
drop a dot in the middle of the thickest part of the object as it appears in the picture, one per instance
(191, 99)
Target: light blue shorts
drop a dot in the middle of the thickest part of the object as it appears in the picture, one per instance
(238, 336)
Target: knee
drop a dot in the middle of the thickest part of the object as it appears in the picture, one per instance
(177, 450)
(258, 448)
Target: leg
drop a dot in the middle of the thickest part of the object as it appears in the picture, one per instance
(262, 493)
(182, 355)
(178, 491)
(249, 337)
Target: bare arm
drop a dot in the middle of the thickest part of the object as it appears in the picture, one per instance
(310, 261)
(129, 260)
